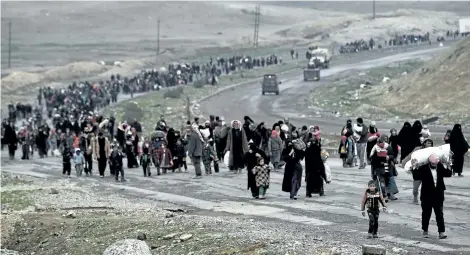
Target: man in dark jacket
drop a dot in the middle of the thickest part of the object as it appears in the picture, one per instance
(195, 144)
(432, 193)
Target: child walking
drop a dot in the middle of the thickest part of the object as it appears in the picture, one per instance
(180, 155)
(372, 198)
(79, 162)
(164, 159)
(145, 156)
(115, 162)
(261, 172)
(66, 157)
(208, 155)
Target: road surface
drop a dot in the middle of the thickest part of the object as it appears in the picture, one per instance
(336, 215)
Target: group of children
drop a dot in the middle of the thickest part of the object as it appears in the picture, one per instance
(162, 158)
(115, 161)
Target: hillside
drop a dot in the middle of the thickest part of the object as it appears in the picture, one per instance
(439, 88)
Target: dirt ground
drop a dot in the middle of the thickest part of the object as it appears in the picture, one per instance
(41, 216)
(345, 95)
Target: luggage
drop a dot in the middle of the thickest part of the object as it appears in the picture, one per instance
(420, 157)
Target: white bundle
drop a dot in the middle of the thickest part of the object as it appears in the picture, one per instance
(56, 153)
(104, 123)
(285, 128)
(421, 157)
(357, 130)
(205, 133)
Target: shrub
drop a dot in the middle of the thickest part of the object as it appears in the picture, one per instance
(199, 83)
(174, 93)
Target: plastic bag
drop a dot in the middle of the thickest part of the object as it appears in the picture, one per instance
(56, 153)
(327, 172)
(227, 158)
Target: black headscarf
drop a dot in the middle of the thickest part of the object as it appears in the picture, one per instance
(416, 133)
(458, 144)
(405, 133)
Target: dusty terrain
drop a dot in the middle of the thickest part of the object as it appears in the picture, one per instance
(43, 212)
(217, 210)
(439, 88)
(89, 32)
(434, 87)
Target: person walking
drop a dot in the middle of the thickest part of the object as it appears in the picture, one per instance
(195, 144)
(360, 132)
(432, 193)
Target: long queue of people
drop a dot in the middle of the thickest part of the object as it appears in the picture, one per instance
(398, 40)
(260, 149)
(58, 108)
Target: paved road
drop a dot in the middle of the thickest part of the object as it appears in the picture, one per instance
(247, 99)
(338, 213)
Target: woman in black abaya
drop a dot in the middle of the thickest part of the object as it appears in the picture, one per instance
(404, 138)
(314, 167)
(459, 146)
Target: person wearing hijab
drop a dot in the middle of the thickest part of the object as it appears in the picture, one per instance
(404, 137)
(237, 145)
(459, 146)
(292, 155)
(372, 138)
(447, 136)
(432, 193)
(275, 149)
(314, 167)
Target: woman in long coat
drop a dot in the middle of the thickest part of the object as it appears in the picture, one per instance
(237, 145)
(314, 167)
(293, 169)
(459, 146)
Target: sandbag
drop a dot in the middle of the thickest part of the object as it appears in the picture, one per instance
(227, 158)
(421, 156)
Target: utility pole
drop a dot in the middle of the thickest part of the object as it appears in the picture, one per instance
(158, 37)
(373, 9)
(257, 19)
(9, 44)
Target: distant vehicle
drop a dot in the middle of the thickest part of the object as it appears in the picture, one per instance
(320, 57)
(270, 84)
(311, 74)
(464, 25)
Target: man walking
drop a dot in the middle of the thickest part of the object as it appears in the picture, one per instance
(432, 193)
(195, 145)
(360, 133)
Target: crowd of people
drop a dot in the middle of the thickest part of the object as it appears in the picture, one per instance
(76, 132)
(398, 40)
(257, 147)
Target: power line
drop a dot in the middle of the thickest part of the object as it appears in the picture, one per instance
(158, 37)
(257, 21)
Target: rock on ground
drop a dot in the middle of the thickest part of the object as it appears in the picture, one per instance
(8, 252)
(128, 247)
(373, 250)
